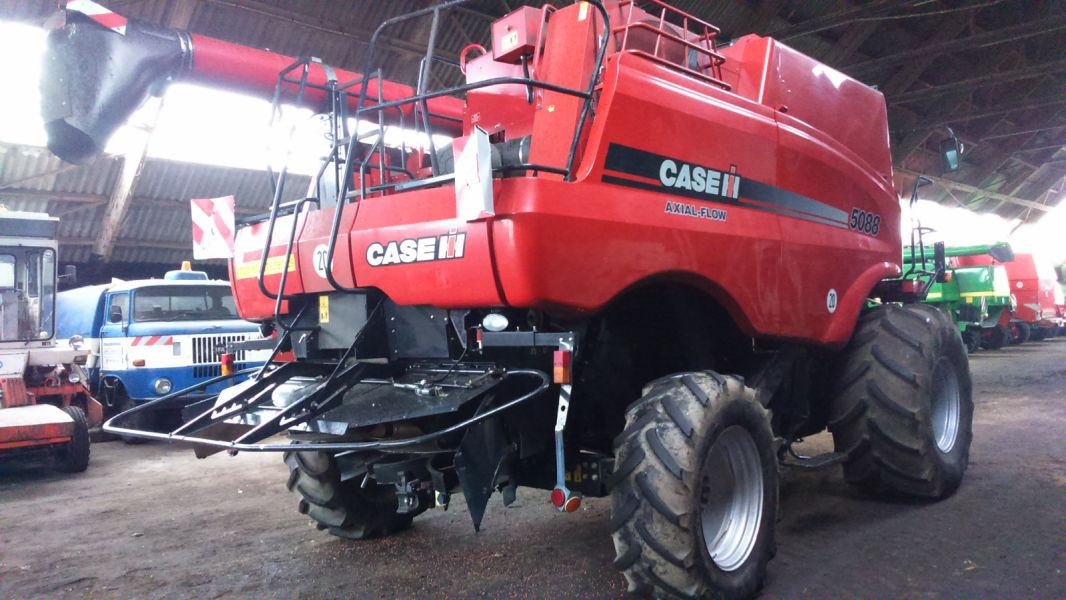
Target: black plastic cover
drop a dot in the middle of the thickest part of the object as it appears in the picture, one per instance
(94, 78)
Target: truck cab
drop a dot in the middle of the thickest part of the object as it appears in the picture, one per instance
(151, 337)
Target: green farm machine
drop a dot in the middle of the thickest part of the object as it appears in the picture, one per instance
(977, 298)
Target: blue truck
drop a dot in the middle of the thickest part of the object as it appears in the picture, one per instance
(150, 337)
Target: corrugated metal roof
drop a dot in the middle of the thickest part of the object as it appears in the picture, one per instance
(157, 227)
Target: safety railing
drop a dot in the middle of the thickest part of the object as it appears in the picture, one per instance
(353, 155)
(672, 38)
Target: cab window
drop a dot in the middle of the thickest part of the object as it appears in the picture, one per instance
(183, 303)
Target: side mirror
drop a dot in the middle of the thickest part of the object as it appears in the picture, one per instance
(69, 276)
(950, 153)
(114, 315)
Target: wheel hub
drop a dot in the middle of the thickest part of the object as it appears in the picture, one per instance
(732, 498)
(945, 405)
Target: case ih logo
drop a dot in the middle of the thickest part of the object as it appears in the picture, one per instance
(424, 249)
(699, 179)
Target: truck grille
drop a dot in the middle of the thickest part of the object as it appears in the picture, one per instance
(205, 352)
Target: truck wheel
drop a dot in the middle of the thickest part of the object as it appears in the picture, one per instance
(1038, 334)
(142, 420)
(694, 493)
(74, 456)
(1020, 332)
(903, 411)
(995, 337)
(972, 338)
(345, 509)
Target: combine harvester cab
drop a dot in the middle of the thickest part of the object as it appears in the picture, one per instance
(639, 264)
(151, 337)
(46, 409)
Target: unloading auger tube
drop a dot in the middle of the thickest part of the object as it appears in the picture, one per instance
(113, 424)
(102, 66)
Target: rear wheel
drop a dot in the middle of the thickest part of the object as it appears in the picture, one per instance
(1020, 332)
(74, 456)
(694, 494)
(902, 411)
(972, 338)
(995, 338)
(1038, 334)
(343, 508)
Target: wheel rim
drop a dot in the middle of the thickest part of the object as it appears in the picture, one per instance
(732, 498)
(945, 405)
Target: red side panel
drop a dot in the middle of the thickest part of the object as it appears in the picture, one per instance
(34, 425)
(413, 248)
(314, 246)
(781, 256)
(568, 60)
(244, 268)
(14, 392)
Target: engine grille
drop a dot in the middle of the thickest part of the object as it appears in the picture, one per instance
(205, 354)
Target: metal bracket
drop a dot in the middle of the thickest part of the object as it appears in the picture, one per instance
(562, 498)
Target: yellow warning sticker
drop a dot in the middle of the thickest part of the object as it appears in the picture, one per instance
(977, 294)
(509, 41)
(273, 267)
(323, 309)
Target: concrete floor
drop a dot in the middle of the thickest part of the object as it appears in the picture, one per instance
(152, 521)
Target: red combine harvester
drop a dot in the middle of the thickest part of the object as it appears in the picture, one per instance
(642, 268)
(46, 409)
(1035, 289)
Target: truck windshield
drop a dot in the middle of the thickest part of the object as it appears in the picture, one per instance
(184, 303)
(27, 293)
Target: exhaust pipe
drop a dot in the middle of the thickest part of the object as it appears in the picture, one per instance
(100, 67)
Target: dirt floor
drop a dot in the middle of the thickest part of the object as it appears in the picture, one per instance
(152, 521)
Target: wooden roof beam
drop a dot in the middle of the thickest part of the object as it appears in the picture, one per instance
(973, 83)
(963, 187)
(1040, 25)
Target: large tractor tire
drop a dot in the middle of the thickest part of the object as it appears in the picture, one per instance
(972, 339)
(343, 508)
(902, 410)
(1020, 332)
(1038, 334)
(74, 456)
(995, 337)
(694, 493)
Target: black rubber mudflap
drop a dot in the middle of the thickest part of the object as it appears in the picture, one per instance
(478, 461)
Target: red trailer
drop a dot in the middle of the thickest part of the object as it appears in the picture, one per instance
(642, 269)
